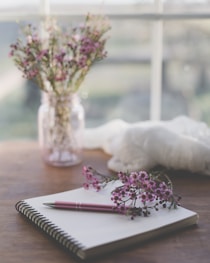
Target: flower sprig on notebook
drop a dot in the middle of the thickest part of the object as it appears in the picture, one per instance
(138, 193)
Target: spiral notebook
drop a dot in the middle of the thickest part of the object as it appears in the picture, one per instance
(90, 234)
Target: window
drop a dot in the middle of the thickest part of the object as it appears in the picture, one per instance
(157, 65)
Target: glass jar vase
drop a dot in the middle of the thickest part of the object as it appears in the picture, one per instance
(60, 129)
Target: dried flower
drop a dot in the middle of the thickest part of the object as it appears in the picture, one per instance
(139, 192)
(95, 179)
(62, 58)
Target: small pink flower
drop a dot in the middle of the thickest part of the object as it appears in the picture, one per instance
(86, 186)
(76, 37)
(11, 53)
(41, 54)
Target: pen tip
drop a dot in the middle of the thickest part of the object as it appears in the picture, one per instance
(48, 204)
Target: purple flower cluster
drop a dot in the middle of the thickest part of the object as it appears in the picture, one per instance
(91, 178)
(94, 179)
(61, 58)
(139, 192)
(88, 46)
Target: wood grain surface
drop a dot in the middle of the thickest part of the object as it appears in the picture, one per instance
(23, 174)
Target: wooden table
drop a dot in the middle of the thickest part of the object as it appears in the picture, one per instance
(23, 175)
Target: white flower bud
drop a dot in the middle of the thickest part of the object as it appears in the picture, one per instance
(29, 39)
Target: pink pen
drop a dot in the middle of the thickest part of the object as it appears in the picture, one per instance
(83, 206)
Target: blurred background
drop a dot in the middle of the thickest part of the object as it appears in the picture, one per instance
(121, 85)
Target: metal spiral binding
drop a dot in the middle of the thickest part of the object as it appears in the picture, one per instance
(47, 227)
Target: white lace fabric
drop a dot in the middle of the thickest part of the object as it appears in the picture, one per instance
(181, 144)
